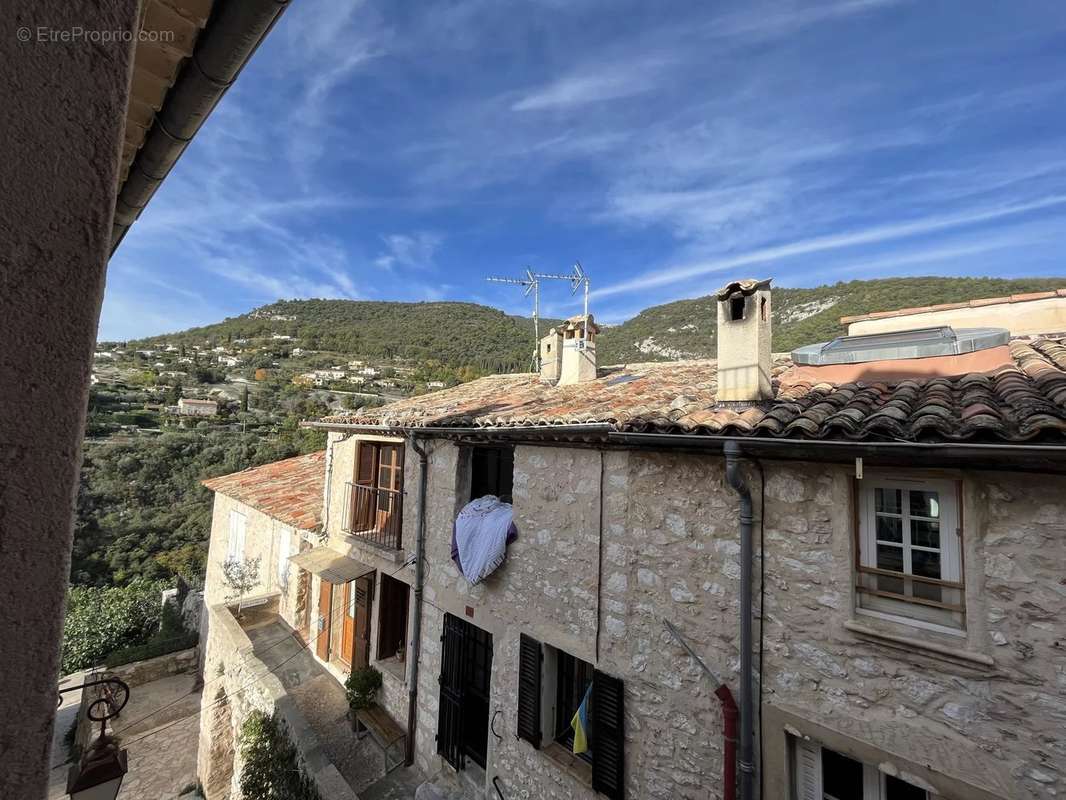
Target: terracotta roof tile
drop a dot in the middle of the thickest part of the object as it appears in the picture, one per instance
(289, 490)
(1018, 402)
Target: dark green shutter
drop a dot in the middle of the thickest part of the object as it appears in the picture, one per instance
(529, 655)
(608, 735)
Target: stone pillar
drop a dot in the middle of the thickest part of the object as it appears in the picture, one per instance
(64, 113)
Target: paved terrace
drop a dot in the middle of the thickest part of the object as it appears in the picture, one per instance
(317, 696)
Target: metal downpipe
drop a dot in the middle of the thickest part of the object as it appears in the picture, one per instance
(416, 632)
(747, 704)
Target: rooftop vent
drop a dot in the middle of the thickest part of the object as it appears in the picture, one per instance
(919, 343)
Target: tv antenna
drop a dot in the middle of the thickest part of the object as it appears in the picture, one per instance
(531, 284)
(577, 279)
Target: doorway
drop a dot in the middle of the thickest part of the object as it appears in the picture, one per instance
(466, 671)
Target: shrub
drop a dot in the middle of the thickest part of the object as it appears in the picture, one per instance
(100, 621)
(271, 764)
(362, 687)
(157, 646)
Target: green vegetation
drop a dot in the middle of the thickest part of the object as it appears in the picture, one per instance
(687, 328)
(271, 768)
(171, 637)
(362, 687)
(480, 338)
(142, 512)
(454, 342)
(101, 620)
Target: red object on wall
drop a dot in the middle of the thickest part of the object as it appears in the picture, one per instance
(729, 735)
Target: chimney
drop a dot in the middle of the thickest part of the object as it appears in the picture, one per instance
(551, 356)
(744, 332)
(578, 350)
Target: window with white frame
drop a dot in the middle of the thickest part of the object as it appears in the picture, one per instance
(237, 527)
(823, 774)
(910, 551)
(283, 557)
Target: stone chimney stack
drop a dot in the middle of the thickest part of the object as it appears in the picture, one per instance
(578, 356)
(551, 356)
(744, 332)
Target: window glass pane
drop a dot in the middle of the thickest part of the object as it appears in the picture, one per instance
(895, 789)
(890, 557)
(924, 504)
(888, 501)
(889, 529)
(925, 533)
(841, 776)
(925, 563)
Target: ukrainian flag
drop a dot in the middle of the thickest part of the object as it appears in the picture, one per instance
(580, 724)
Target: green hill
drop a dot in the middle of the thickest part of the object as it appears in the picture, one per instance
(687, 328)
(468, 334)
(456, 334)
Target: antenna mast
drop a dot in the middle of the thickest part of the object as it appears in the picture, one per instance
(532, 285)
(577, 279)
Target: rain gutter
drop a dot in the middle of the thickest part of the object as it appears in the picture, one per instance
(416, 633)
(232, 35)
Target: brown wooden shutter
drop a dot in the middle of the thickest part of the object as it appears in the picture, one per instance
(529, 657)
(366, 464)
(608, 735)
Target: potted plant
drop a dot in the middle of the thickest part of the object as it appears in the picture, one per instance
(361, 687)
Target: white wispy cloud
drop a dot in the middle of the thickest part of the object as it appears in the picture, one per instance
(412, 251)
(820, 244)
(597, 84)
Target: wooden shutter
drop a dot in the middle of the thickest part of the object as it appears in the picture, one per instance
(808, 770)
(364, 503)
(608, 735)
(366, 464)
(529, 659)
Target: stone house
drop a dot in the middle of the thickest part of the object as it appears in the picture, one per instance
(197, 408)
(859, 547)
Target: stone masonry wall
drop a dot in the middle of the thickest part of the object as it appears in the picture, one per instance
(236, 684)
(997, 727)
(932, 709)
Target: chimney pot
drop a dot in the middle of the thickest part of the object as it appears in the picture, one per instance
(744, 342)
(568, 353)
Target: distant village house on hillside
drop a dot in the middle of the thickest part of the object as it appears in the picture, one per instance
(189, 407)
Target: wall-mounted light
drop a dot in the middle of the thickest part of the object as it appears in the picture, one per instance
(98, 774)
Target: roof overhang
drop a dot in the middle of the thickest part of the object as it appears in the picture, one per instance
(963, 455)
(330, 565)
(189, 52)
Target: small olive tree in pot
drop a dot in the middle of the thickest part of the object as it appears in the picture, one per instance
(361, 687)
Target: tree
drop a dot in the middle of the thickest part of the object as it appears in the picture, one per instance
(244, 399)
(240, 576)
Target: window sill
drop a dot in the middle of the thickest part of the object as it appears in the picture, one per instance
(575, 766)
(955, 655)
(393, 668)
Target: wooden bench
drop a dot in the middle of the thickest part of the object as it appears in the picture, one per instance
(384, 730)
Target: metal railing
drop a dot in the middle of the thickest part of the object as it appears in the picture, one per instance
(373, 514)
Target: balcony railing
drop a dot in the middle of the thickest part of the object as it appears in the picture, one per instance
(374, 515)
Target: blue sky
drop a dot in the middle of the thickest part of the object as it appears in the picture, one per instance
(404, 150)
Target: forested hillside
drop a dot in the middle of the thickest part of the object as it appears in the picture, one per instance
(456, 334)
(472, 335)
(142, 512)
(687, 328)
